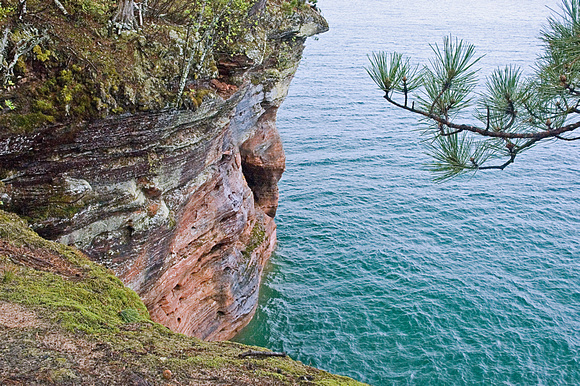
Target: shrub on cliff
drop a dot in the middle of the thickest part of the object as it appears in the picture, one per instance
(76, 60)
(514, 113)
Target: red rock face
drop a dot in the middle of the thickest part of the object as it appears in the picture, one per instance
(179, 204)
(264, 162)
(163, 202)
(220, 247)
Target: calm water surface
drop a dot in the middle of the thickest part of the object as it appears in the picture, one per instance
(387, 277)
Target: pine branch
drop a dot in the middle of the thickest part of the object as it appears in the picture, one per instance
(486, 132)
(516, 113)
(567, 139)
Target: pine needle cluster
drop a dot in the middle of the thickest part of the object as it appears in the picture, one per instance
(512, 114)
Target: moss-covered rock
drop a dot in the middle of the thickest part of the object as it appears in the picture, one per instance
(65, 320)
(76, 67)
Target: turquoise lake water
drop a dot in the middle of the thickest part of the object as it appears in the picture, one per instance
(385, 276)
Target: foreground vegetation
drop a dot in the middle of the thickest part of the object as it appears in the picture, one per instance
(66, 320)
(73, 61)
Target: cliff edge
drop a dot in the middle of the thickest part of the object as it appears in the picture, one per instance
(66, 320)
(153, 148)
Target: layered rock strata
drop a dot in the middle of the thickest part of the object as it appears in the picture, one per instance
(178, 203)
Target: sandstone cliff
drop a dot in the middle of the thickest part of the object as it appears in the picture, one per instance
(178, 199)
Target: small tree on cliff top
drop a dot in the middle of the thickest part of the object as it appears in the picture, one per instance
(125, 16)
(514, 113)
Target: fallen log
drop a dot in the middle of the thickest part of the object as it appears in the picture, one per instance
(262, 354)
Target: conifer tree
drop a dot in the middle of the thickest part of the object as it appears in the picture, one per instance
(467, 132)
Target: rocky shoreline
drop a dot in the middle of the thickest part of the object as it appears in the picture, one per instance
(68, 321)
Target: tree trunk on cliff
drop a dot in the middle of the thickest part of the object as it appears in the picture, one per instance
(125, 19)
(258, 7)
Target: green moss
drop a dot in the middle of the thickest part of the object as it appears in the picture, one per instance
(14, 230)
(58, 98)
(8, 276)
(60, 210)
(89, 302)
(41, 55)
(130, 315)
(44, 106)
(25, 123)
(20, 67)
(257, 237)
(87, 305)
(337, 381)
(62, 375)
(213, 361)
(197, 96)
(271, 374)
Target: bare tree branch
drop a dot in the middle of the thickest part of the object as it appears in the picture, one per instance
(567, 139)
(61, 7)
(262, 354)
(514, 151)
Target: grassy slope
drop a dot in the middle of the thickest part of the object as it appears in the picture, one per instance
(66, 320)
